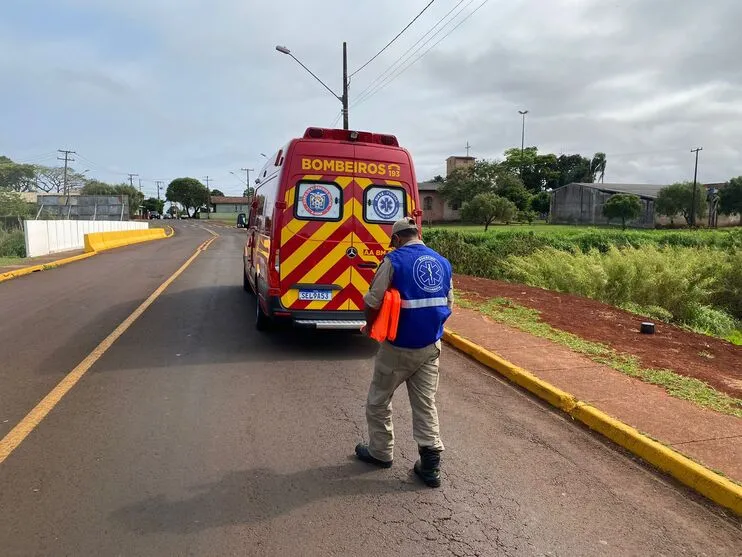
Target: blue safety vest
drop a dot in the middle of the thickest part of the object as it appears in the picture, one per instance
(423, 278)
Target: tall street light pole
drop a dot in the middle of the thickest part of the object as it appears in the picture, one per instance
(695, 180)
(522, 138)
(342, 98)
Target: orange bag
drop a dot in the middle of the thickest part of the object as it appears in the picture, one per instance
(396, 306)
(386, 323)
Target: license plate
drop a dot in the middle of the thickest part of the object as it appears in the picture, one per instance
(315, 295)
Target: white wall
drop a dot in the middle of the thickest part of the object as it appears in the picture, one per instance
(51, 236)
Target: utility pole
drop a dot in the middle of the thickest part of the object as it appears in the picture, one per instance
(158, 183)
(467, 148)
(345, 86)
(140, 185)
(342, 98)
(522, 139)
(131, 179)
(695, 179)
(247, 170)
(66, 160)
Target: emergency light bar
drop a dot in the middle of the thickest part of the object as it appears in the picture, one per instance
(350, 135)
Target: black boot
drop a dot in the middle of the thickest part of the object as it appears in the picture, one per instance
(429, 466)
(363, 454)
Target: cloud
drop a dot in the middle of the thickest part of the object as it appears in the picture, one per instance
(181, 87)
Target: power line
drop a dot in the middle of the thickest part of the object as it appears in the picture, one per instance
(408, 66)
(394, 64)
(394, 39)
(337, 119)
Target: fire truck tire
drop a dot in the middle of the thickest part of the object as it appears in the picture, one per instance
(262, 321)
(247, 285)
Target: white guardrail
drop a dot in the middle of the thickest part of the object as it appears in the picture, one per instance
(51, 236)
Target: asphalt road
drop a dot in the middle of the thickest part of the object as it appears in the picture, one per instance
(195, 435)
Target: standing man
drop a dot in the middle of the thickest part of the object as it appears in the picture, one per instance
(423, 278)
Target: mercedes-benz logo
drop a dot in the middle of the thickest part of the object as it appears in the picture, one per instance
(351, 252)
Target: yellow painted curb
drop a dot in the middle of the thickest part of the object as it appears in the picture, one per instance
(697, 477)
(90, 249)
(44, 266)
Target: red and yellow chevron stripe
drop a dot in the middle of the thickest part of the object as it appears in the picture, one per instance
(314, 252)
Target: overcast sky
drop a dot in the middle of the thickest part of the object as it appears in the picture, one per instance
(168, 88)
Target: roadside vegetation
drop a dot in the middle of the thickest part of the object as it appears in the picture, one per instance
(676, 385)
(12, 245)
(689, 279)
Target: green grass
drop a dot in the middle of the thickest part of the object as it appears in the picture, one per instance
(7, 261)
(676, 385)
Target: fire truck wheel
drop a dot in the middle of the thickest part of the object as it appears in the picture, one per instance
(262, 321)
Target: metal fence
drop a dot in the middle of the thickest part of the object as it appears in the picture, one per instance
(83, 207)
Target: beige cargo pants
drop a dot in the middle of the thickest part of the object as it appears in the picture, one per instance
(419, 369)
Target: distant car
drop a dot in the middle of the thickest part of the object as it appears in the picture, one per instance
(167, 216)
(154, 215)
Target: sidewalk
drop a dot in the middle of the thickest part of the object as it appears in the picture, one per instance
(713, 439)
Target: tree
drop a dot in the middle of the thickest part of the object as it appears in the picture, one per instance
(511, 187)
(463, 184)
(153, 205)
(597, 167)
(537, 172)
(486, 208)
(624, 206)
(50, 179)
(189, 192)
(574, 168)
(13, 205)
(135, 197)
(217, 193)
(730, 197)
(438, 178)
(95, 187)
(249, 191)
(16, 177)
(541, 203)
(678, 199)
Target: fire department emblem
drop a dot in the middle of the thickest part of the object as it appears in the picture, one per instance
(386, 205)
(317, 201)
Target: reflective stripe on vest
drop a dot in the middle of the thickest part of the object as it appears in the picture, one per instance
(424, 303)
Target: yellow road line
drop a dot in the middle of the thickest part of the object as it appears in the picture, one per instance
(16, 435)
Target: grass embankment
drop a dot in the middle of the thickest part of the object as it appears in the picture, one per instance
(678, 386)
(689, 279)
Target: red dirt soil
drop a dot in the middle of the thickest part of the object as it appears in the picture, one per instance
(709, 359)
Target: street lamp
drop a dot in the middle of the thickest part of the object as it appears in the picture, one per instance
(522, 138)
(344, 98)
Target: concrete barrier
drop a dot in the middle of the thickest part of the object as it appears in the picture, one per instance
(101, 241)
(44, 237)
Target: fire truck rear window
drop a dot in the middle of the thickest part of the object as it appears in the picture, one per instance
(318, 201)
(384, 204)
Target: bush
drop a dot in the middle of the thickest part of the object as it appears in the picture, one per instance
(12, 244)
(675, 279)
